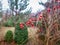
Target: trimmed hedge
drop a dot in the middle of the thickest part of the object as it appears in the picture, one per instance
(9, 36)
(21, 35)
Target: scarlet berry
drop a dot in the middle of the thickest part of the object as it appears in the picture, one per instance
(57, 0)
(30, 20)
(32, 25)
(40, 17)
(33, 19)
(21, 25)
(58, 7)
(28, 23)
(54, 8)
(48, 9)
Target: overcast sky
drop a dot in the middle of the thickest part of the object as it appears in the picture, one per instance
(33, 4)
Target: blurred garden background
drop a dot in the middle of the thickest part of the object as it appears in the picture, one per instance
(29, 22)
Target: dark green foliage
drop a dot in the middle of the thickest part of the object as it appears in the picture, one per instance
(21, 35)
(9, 36)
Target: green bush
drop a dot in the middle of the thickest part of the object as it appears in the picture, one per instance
(9, 23)
(21, 35)
(9, 36)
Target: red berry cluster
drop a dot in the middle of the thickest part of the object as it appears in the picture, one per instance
(54, 8)
(21, 25)
(29, 23)
(40, 17)
(48, 10)
(58, 7)
(57, 0)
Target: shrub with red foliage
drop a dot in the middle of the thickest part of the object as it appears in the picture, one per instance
(33, 19)
(28, 23)
(30, 20)
(32, 25)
